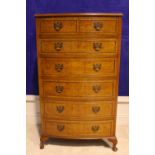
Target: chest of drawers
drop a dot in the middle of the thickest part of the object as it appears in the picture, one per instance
(78, 69)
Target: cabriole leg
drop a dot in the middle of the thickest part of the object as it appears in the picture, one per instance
(42, 141)
(114, 141)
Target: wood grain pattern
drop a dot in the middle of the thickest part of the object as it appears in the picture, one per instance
(97, 25)
(78, 68)
(78, 89)
(78, 129)
(79, 110)
(49, 26)
(76, 46)
(63, 67)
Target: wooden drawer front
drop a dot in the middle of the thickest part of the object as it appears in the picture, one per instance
(78, 89)
(84, 110)
(70, 46)
(83, 67)
(58, 26)
(77, 129)
(97, 25)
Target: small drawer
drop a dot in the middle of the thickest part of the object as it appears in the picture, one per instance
(79, 89)
(98, 25)
(58, 46)
(58, 26)
(78, 109)
(79, 67)
(80, 46)
(78, 129)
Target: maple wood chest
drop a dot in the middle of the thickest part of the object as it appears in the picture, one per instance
(78, 70)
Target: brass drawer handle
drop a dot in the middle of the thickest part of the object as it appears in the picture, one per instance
(96, 109)
(59, 89)
(95, 128)
(58, 46)
(59, 67)
(60, 127)
(60, 109)
(98, 26)
(97, 46)
(96, 88)
(58, 26)
(97, 67)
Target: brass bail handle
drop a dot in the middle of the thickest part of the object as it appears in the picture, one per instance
(95, 128)
(58, 25)
(60, 109)
(96, 88)
(60, 127)
(59, 67)
(98, 26)
(96, 109)
(58, 46)
(97, 67)
(59, 89)
(97, 46)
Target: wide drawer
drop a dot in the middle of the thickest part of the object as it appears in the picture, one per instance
(77, 129)
(82, 67)
(98, 25)
(78, 46)
(79, 110)
(58, 25)
(105, 88)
